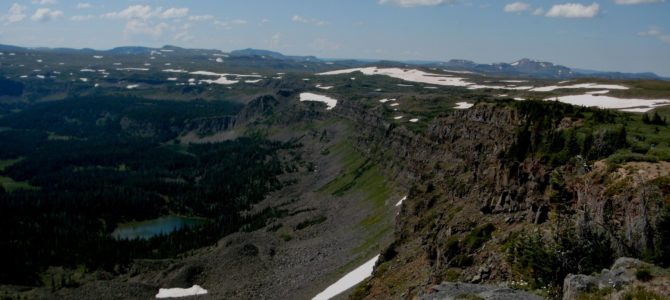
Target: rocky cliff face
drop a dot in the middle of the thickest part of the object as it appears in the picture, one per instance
(469, 201)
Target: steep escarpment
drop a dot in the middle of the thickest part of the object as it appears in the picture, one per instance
(514, 194)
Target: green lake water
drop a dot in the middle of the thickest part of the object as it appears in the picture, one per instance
(150, 228)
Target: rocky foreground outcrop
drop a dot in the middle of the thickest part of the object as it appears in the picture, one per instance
(628, 278)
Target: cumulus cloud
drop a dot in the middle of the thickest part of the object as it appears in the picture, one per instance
(46, 14)
(299, 19)
(140, 27)
(147, 12)
(632, 2)
(574, 10)
(83, 5)
(656, 32)
(201, 18)
(173, 13)
(16, 13)
(230, 24)
(413, 3)
(515, 7)
(44, 2)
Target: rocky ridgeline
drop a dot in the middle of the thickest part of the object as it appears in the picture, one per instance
(468, 198)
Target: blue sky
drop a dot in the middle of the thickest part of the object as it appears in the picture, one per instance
(613, 35)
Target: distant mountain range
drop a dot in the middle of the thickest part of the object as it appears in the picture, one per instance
(536, 69)
(521, 68)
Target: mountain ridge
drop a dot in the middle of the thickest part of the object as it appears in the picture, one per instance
(524, 67)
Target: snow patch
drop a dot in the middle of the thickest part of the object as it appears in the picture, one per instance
(98, 57)
(330, 102)
(132, 69)
(175, 71)
(607, 102)
(319, 86)
(580, 86)
(133, 86)
(463, 105)
(414, 120)
(348, 281)
(401, 201)
(179, 292)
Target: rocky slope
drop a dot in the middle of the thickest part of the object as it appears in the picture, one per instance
(472, 206)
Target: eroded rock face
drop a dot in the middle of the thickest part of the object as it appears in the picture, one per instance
(459, 176)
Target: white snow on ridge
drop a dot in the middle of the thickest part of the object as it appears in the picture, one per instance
(222, 80)
(607, 102)
(253, 81)
(319, 86)
(175, 71)
(580, 86)
(401, 201)
(348, 281)
(208, 73)
(463, 105)
(330, 102)
(179, 292)
(133, 86)
(412, 75)
(132, 69)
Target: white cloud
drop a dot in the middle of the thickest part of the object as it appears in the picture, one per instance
(174, 13)
(183, 35)
(516, 7)
(413, 3)
(201, 18)
(132, 12)
(16, 13)
(632, 2)
(147, 12)
(574, 10)
(299, 19)
(46, 14)
(653, 31)
(44, 2)
(139, 27)
(83, 5)
(656, 33)
(229, 24)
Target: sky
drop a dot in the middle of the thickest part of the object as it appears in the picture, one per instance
(608, 35)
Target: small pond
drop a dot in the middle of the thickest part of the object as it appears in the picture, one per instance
(150, 228)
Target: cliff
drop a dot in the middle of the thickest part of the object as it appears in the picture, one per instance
(482, 208)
